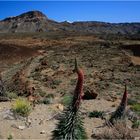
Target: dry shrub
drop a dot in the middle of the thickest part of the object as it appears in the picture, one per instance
(120, 130)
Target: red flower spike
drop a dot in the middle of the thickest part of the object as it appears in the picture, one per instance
(79, 87)
(124, 99)
(70, 126)
(120, 113)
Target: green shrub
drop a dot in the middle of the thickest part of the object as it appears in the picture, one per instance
(12, 95)
(48, 99)
(136, 124)
(73, 81)
(50, 96)
(56, 82)
(42, 94)
(66, 100)
(22, 107)
(96, 114)
(136, 108)
(10, 137)
(131, 102)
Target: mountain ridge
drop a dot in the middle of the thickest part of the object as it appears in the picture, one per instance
(36, 21)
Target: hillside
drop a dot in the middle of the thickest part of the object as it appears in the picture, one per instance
(46, 62)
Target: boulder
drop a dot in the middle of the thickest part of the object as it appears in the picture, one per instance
(89, 95)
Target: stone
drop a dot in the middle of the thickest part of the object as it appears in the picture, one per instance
(40, 122)
(89, 95)
(28, 122)
(8, 115)
(44, 62)
(42, 132)
(60, 107)
(21, 127)
(114, 98)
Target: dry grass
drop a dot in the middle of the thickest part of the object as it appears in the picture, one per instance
(119, 131)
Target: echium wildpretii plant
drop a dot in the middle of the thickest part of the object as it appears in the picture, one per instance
(120, 113)
(70, 125)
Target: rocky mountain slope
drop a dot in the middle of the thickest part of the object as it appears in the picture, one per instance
(36, 21)
(32, 21)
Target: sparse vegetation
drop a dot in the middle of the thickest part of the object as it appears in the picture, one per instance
(66, 100)
(96, 114)
(119, 131)
(50, 96)
(21, 107)
(73, 81)
(136, 108)
(10, 137)
(48, 99)
(12, 95)
(131, 101)
(136, 124)
(56, 82)
(42, 94)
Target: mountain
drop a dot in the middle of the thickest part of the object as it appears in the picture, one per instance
(36, 21)
(32, 21)
(103, 27)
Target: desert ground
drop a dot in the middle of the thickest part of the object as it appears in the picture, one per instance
(46, 62)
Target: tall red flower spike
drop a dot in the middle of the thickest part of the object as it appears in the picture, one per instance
(121, 110)
(79, 87)
(70, 126)
(124, 99)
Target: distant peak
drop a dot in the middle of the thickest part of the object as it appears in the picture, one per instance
(33, 14)
(28, 15)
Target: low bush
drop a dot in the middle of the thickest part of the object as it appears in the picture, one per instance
(136, 108)
(119, 131)
(21, 107)
(136, 124)
(131, 101)
(12, 95)
(56, 82)
(10, 137)
(96, 114)
(66, 100)
(48, 99)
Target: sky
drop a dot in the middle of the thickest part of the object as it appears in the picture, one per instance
(107, 11)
